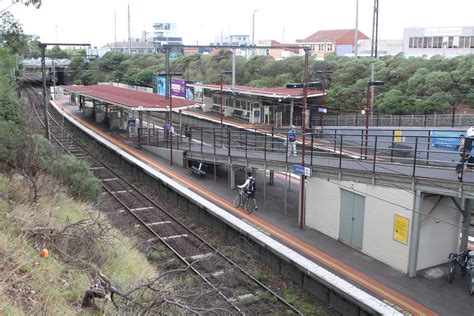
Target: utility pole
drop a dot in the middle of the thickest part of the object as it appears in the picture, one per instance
(42, 47)
(115, 29)
(356, 33)
(303, 132)
(129, 38)
(375, 31)
(45, 95)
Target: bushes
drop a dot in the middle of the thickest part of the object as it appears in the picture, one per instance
(77, 176)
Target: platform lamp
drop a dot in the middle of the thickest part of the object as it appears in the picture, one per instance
(222, 99)
(368, 109)
(170, 115)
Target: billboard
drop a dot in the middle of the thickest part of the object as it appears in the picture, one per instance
(446, 139)
(178, 88)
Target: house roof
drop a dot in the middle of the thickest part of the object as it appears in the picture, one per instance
(340, 37)
(275, 92)
(130, 99)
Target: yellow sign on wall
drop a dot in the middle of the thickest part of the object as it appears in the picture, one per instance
(397, 136)
(400, 228)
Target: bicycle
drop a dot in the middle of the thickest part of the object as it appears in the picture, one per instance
(242, 199)
(465, 260)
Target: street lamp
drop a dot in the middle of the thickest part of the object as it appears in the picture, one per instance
(368, 110)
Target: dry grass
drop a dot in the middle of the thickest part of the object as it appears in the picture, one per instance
(30, 284)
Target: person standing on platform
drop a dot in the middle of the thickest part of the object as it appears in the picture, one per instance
(467, 155)
(291, 141)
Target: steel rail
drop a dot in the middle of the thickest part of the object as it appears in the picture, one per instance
(159, 207)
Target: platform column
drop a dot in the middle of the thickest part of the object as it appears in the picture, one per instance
(292, 105)
(140, 124)
(272, 177)
(415, 234)
(231, 177)
(468, 205)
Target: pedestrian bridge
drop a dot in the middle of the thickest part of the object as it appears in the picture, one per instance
(421, 160)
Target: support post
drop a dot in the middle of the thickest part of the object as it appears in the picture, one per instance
(45, 94)
(415, 234)
(468, 205)
(232, 177)
(272, 177)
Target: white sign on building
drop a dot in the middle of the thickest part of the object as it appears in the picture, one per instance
(443, 31)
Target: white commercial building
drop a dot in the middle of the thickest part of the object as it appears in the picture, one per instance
(444, 41)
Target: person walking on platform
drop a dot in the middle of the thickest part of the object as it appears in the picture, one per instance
(250, 187)
(187, 134)
(291, 141)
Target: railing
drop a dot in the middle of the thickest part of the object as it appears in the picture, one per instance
(356, 119)
(430, 154)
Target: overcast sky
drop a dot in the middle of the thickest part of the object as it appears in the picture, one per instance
(92, 21)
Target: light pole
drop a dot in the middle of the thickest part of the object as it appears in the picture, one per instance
(222, 100)
(368, 110)
(253, 27)
(303, 131)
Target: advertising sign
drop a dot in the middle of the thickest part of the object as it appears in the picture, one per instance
(178, 88)
(400, 228)
(161, 85)
(446, 139)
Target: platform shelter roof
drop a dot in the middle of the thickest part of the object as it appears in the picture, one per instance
(275, 92)
(131, 99)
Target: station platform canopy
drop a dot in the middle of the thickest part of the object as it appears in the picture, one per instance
(131, 99)
(275, 92)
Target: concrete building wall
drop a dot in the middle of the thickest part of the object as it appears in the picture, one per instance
(323, 200)
(438, 238)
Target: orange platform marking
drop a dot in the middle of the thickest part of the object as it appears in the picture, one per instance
(352, 274)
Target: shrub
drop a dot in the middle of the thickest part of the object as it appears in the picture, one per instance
(77, 176)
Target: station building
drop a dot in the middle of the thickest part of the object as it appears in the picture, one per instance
(278, 106)
(444, 41)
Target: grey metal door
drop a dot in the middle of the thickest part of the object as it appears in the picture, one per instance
(351, 227)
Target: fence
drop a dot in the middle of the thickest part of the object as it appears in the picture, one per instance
(436, 120)
(433, 154)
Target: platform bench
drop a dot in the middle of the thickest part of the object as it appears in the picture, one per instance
(198, 170)
(216, 108)
(400, 150)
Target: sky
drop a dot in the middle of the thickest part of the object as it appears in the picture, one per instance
(199, 22)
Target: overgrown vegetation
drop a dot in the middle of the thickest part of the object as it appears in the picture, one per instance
(412, 85)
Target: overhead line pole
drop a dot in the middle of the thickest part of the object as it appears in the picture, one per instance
(42, 47)
(303, 131)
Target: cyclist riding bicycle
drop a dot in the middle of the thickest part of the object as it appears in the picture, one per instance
(250, 188)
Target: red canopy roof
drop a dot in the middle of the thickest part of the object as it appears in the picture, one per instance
(131, 99)
(275, 92)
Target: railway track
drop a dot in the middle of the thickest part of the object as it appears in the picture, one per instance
(228, 286)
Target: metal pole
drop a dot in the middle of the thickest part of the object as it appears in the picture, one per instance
(356, 33)
(253, 27)
(367, 109)
(233, 71)
(45, 95)
(171, 122)
(415, 235)
(466, 223)
(303, 130)
(129, 38)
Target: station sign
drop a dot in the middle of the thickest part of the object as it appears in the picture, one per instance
(304, 171)
(322, 110)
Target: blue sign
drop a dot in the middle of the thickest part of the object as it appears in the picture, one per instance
(446, 139)
(161, 85)
(132, 123)
(305, 171)
(322, 110)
